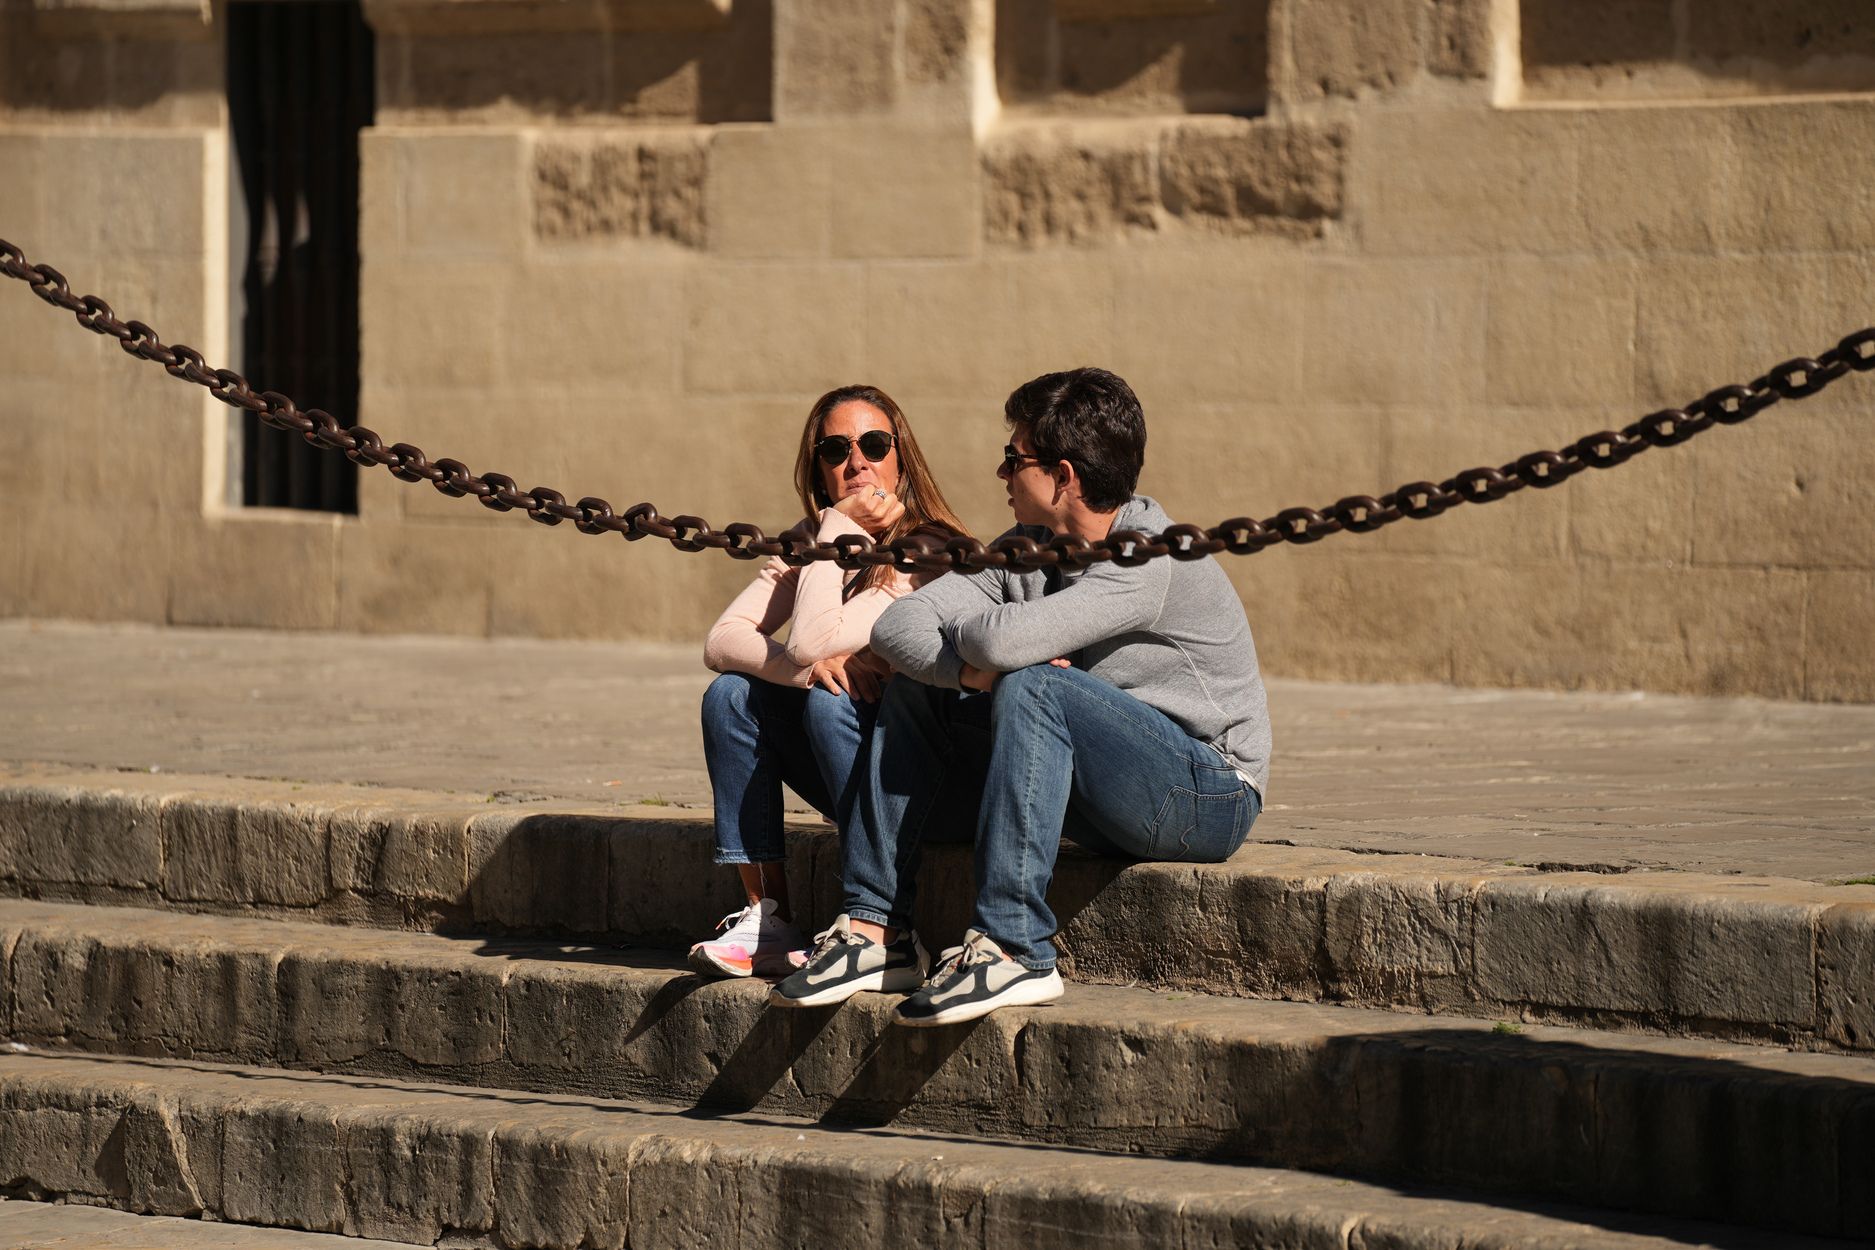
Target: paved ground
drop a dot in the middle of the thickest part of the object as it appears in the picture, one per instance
(1577, 780)
(63, 1226)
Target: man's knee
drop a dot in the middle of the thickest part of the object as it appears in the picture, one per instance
(908, 702)
(1030, 690)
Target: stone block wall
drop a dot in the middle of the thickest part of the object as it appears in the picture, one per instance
(1667, 49)
(617, 247)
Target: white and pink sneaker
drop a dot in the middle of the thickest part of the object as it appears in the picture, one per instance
(753, 942)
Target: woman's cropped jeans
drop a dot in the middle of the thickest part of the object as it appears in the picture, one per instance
(758, 736)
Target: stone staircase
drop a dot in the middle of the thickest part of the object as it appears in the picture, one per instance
(398, 1015)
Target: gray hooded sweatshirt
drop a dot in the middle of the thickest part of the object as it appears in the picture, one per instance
(1171, 633)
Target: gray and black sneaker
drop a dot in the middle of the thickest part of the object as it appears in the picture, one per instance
(975, 979)
(842, 963)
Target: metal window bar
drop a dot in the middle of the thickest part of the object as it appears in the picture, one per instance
(301, 85)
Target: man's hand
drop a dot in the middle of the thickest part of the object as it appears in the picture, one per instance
(873, 510)
(868, 673)
(975, 678)
(861, 675)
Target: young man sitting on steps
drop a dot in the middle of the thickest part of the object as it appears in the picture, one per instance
(1119, 706)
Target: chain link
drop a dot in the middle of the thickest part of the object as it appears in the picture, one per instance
(1798, 378)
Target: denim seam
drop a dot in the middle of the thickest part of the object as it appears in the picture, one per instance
(765, 765)
(1240, 805)
(1147, 726)
(1242, 835)
(1028, 805)
(1191, 830)
(1158, 822)
(751, 706)
(946, 752)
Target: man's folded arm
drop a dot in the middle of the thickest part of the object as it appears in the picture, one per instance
(1105, 602)
(909, 635)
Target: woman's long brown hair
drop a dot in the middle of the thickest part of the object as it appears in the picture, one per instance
(925, 508)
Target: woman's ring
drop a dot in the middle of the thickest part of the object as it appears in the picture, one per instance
(877, 493)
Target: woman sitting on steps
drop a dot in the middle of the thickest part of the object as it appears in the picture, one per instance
(801, 713)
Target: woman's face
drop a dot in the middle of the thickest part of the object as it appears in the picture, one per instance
(856, 473)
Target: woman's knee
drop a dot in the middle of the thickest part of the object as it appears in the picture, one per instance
(826, 710)
(824, 702)
(727, 699)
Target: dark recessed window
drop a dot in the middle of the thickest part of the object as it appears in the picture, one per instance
(300, 88)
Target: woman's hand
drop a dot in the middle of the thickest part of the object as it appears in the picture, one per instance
(873, 509)
(860, 676)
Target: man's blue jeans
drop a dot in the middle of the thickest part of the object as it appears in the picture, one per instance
(756, 736)
(1051, 751)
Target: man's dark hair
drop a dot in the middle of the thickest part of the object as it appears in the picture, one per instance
(1091, 419)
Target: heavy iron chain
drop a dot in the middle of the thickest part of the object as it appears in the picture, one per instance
(1359, 514)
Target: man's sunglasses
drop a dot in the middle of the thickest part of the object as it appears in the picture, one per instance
(875, 445)
(1012, 459)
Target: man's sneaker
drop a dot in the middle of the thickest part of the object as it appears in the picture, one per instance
(843, 963)
(975, 979)
(754, 942)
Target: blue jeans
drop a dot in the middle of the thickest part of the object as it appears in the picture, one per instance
(757, 736)
(1051, 751)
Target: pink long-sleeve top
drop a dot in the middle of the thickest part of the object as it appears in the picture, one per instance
(826, 623)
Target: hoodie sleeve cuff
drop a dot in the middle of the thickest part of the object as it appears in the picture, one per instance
(949, 668)
(834, 523)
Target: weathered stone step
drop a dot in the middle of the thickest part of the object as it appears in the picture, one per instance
(419, 1163)
(1703, 1129)
(72, 1225)
(1786, 962)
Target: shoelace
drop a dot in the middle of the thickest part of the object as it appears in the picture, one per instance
(953, 961)
(829, 938)
(733, 918)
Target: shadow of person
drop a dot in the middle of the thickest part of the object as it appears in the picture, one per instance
(894, 1069)
(881, 1067)
(662, 1001)
(765, 1057)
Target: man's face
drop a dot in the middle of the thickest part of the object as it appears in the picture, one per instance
(1030, 483)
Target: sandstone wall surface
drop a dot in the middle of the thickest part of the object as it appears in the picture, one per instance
(618, 247)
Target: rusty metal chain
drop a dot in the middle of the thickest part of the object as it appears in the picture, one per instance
(1359, 514)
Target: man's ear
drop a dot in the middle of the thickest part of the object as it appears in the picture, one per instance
(1067, 481)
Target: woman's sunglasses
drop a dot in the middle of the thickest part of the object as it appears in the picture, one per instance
(875, 445)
